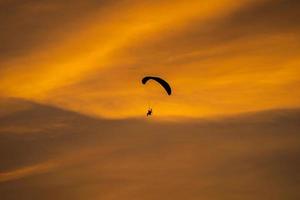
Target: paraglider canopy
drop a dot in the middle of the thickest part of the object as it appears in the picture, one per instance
(162, 82)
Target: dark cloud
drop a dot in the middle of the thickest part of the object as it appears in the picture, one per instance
(28, 25)
(250, 23)
(254, 156)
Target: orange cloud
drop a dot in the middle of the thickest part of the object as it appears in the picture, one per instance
(215, 62)
(26, 171)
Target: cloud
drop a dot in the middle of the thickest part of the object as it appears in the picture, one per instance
(253, 156)
(26, 171)
(30, 25)
(222, 57)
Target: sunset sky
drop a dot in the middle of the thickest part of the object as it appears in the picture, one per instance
(222, 57)
(73, 122)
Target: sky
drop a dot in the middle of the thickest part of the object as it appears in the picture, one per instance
(73, 109)
(221, 57)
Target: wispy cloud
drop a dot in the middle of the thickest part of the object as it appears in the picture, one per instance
(221, 57)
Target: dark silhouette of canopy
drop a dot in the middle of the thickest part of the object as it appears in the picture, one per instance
(162, 82)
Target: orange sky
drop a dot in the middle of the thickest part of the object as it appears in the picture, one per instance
(221, 57)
